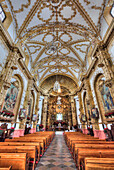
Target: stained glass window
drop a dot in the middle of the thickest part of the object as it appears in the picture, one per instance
(2, 14)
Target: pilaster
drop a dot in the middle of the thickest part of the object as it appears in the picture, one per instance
(45, 111)
(27, 101)
(81, 109)
(36, 109)
(73, 110)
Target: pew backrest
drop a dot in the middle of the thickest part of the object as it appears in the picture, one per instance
(99, 163)
(16, 160)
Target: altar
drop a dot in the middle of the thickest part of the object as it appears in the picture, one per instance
(60, 128)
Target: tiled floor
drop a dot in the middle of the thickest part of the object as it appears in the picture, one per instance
(57, 156)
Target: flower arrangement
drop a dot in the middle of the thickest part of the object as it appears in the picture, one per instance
(109, 114)
(40, 126)
(105, 130)
(12, 115)
(56, 123)
(63, 123)
(6, 114)
(12, 129)
(28, 118)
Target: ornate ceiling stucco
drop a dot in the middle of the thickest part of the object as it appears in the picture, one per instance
(74, 24)
(68, 85)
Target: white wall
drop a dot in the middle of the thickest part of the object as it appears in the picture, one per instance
(12, 32)
(104, 27)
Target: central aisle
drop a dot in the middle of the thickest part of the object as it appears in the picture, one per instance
(57, 156)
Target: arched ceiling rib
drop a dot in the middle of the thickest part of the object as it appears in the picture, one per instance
(73, 24)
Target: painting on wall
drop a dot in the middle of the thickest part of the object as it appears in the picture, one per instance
(106, 97)
(11, 98)
(34, 118)
(84, 118)
(22, 113)
(95, 113)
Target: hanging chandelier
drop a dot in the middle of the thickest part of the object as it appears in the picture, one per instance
(53, 46)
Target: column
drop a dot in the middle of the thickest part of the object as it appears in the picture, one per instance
(26, 103)
(91, 105)
(36, 112)
(81, 109)
(73, 110)
(69, 119)
(45, 112)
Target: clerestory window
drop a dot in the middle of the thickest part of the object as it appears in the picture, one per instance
(2, 14)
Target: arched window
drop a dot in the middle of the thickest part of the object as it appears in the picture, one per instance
(13, 96)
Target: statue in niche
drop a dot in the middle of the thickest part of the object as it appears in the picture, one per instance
(106, 96)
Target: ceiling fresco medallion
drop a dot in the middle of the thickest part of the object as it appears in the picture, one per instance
(67, 11)
(45, 13)
(65, 37)
(64, 51)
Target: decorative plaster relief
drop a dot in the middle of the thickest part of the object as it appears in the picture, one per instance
(3, 55)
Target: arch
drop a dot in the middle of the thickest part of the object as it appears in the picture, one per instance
(74, 79)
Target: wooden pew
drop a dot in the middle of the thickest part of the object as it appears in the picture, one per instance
(82, 139)
(99, 163)
(28, 141)
(90, 142)
(23, 144)
(91, 146)
(6, 168)
(31, 151)
(98, 153)
(18, 161)
(48, 137)
(35, 138)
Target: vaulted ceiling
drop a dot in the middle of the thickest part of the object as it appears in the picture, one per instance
(73, 26)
